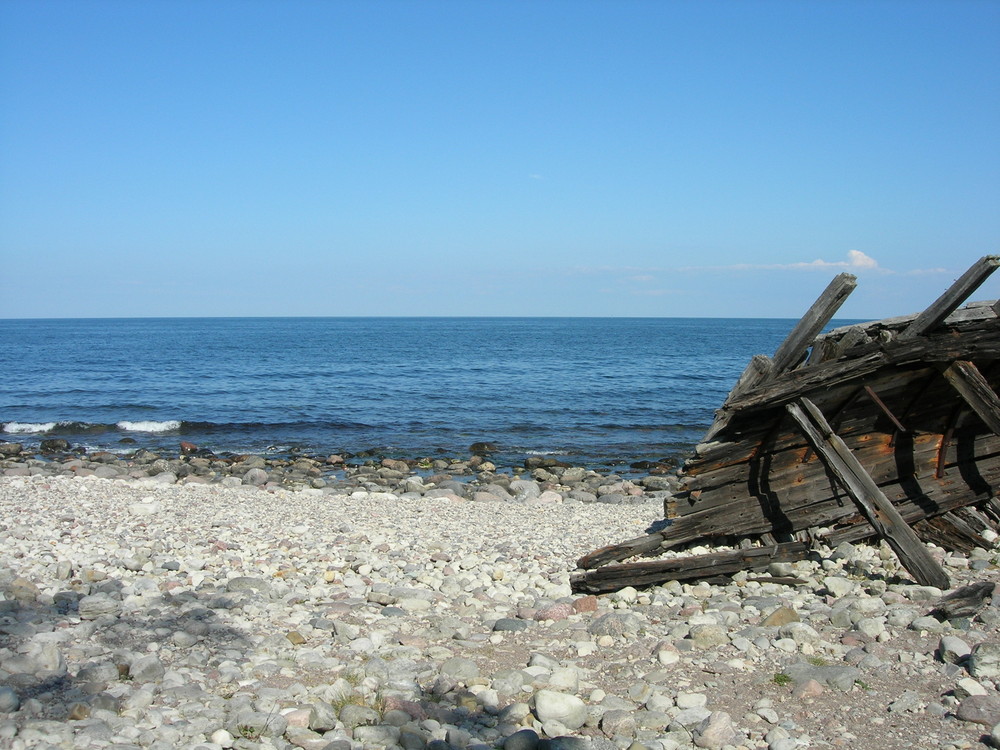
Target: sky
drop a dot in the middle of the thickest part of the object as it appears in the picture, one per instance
(587, 158)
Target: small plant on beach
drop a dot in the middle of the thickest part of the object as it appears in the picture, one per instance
(781, 679)
(818, 661)
(350, 699)
(353, 677)
(248, 732)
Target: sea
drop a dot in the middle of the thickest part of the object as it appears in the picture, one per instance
(595, 392)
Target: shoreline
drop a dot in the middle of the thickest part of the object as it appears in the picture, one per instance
(475, 477)
(152, 615)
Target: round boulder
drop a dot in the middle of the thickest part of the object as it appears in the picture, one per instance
(568, 710)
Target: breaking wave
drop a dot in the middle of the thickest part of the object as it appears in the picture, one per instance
(150, 426)
(29, 428)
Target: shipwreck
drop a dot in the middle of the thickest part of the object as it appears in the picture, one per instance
(886, 429)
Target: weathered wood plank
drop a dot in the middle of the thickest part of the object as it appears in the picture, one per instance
(787, 473)
(979, 342)
(924, 409)
(964, 602)
(876, 507)
(947, 532)
(650, 573)
(793, 348)
(979, 310)
(966, 378)
(953, 298)
(642, 545)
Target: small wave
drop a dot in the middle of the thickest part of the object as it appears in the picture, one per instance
(150, 426)
(27, 428)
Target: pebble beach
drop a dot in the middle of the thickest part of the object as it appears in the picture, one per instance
(146, 611)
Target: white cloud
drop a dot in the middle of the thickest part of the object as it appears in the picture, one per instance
(856, 260)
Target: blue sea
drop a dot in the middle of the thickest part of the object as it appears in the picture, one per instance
(597, 392)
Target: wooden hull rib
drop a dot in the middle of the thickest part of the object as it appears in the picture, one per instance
(889, 429)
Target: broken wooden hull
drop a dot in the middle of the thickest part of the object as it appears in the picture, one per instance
(888, 428)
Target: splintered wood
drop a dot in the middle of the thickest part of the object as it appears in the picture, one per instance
(888, 429)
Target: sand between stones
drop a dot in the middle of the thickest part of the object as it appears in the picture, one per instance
(135, 614)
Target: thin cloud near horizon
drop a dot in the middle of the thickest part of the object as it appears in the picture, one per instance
(856, 261)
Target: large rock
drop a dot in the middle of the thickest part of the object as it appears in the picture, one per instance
(984, 661)
(707, 636)
(615, 624)
(255, 477)
(147, 668)
(10, 449)
(952, 649)
(10, 701)
(568, 710)
(460, 669)
(618, 722)
(97, 605)
(716, 732)
(839, 677)
(525, 489)
(980, 709)
(41, 657)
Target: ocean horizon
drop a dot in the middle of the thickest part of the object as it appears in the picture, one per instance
(593, 391)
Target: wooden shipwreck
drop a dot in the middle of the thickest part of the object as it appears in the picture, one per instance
(888, 429)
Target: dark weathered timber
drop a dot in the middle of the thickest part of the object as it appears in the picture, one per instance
(964, 602)
(874, 505)
(794, 347)
(975, 389)
(953, 298)
(885, 409)
(889, 428)
(950, 532)
(613, 553)
(804, 506)
(980, 342)
(614, 577)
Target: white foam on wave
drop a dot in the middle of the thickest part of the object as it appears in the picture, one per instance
(20, 428)
(150, 426)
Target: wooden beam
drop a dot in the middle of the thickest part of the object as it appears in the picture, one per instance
(643, 545)
(806, 330)
(694, 567)
(953, 298)
(874, 505)
(885, 409)
(966, 378)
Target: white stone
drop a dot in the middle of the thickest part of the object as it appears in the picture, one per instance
(691, 700)
(871, 626)
(838, 586)
(568, 710)
(968, 686)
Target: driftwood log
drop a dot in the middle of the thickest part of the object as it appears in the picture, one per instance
(887, 429)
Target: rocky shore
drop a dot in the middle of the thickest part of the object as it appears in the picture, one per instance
(151, 605)
(472, 478)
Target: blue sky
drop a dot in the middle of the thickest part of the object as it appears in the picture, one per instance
(493, 158)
